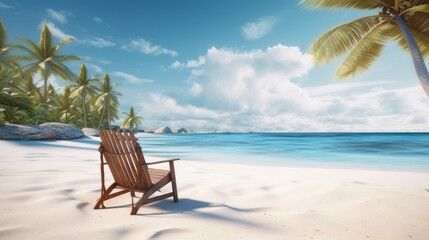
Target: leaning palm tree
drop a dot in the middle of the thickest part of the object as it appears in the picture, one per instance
(107, 101)
(45, 59)
(406, 22)
(83, 87)
(132, 119)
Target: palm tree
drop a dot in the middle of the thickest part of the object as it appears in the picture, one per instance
(132, 120)
(45, 59)
(65, 105)
(107, 100)
(5, 59)
(14, 105)
(83, 88)
(406, 22)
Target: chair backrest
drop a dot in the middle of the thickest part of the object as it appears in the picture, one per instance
(125, 158)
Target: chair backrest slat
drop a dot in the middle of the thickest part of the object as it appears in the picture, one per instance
(137, 154)
(132, 165)
(111, 158)
(117, 145)
(125, 159)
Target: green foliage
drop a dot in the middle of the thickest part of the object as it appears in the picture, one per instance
(83, 88)
(364, 39)
(132, 119)
(106, 102)
(2, 122)
(335, 4)
(84, 103)
(44, 58)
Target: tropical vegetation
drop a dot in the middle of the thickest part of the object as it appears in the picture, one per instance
(84, 102)
(403, 21)
(132, 119)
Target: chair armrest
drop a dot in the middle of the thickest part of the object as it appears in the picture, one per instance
(163, 161)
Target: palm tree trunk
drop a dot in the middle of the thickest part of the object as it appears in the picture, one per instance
(108, 118)
(416, 54)
(45, 89)
(84, 108)
(102, 115)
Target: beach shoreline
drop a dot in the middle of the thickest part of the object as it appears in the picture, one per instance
(50, 187)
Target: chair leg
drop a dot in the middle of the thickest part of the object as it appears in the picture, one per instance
(175, 195)
(173, 182)
(104, 196)
(135, 208)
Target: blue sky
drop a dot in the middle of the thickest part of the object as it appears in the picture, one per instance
(239, 65)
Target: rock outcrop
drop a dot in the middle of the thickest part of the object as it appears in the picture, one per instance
(25, 132)
(163, 130)
(180, 130)
(63, 131)
(42, 132)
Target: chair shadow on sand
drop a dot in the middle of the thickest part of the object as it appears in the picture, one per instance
(196, 208)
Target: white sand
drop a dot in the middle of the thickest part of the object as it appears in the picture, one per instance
(48, 189)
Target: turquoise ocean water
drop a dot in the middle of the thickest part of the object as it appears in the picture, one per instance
(378, 151)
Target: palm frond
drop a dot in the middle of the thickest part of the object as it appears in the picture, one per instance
(65, 58)
(53, 50)
(365, 53)
(342, 39)
(62, 70)
(66, 41)
(420, 8)
(30, 68)
(422, 41)
(419, 22)
(45, 43)
(335, 4)
(3, 35)
(34, 51)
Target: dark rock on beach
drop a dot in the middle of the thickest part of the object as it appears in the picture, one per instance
(25, 132)
(63, 131)
(44, 131)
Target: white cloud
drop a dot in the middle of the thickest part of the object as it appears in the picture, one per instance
(97, 19)
(254, 91)
(98, 42)
(55, 81)
(95, 41)
(103, 61)
(258, 29)
(5, 6)
(174, 114)
(96, 68)
(148, 48)
(60, 16)
(189, 64)
(196, 89)
(56, 32)
(251, 81)
(339, 88)
(130, 78)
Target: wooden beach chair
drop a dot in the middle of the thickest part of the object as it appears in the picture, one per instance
(130, 172)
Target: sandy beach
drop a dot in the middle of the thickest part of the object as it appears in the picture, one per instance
(48, 189)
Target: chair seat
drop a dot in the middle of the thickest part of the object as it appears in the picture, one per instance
(157, 175)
